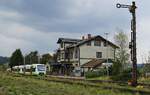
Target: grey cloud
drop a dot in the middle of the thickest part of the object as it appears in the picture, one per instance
(38, 23)
(50, 14)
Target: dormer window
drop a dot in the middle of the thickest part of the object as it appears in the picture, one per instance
(97, 43)
(88, 44)
(105, 43)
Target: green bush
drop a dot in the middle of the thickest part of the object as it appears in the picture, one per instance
(3, 67)
(92, 74)
(125, 75)
(116, 68)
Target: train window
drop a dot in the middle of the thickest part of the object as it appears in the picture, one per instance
(20, 69)
(41, 67)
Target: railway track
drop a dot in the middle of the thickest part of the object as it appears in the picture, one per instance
(100, 81)
(96, 83)
(91, 83)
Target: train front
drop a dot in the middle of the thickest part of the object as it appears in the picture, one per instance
(40, 69)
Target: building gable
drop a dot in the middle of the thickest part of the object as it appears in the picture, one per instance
(97, 38)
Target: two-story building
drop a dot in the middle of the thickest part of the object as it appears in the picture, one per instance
(79, 52)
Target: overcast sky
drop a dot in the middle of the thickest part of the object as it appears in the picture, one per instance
(37, 24)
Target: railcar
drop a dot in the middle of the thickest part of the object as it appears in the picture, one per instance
(34, 69)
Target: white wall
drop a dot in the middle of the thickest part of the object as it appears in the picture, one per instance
(90, 52)
(83, 61)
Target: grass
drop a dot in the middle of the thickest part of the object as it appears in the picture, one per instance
(141, 79)
(17, 85)
(144, 80)
(100, 78)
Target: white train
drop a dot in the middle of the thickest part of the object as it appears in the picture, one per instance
(34, 69)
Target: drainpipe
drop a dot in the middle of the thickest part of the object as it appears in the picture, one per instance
(79, 56)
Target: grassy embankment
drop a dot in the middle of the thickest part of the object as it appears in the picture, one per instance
(12, 85)
(141, 79)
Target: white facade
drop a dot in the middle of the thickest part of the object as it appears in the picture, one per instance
(79, 54)
(89, 52)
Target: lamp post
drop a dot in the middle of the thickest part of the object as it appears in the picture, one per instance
(39, 57)
(24, 61)
(132, 44)
(107, 67)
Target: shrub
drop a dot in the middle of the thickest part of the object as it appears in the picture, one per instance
(3, 67)
(119, 73)
(116, 68)
(125, 75)
(92, 74)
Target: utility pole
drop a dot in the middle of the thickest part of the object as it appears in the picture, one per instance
(24, 68)
(132, 44)
(39, 58)
(107, 67)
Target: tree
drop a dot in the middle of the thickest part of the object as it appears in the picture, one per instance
(122, 54)
(46, 58)
(16, 58)
(116, 67)
(32, 58)
(55, 56)
(146, 68)
(27, 59)
(4, 60)
(147, 59)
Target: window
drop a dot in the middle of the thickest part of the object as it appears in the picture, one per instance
(59, 56)
(40, 67)
(61, 45)
(66, 55)
(76, 53)
(105, 44)
(88, 43)
(71, 55)
(98, 54)
(62, 55)
(97, 43)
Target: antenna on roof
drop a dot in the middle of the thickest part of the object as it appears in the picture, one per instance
(106, 35)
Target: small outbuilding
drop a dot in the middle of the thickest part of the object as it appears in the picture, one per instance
(93, 64)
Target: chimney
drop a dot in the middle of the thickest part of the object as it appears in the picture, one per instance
(89, 36)
(83, 38)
